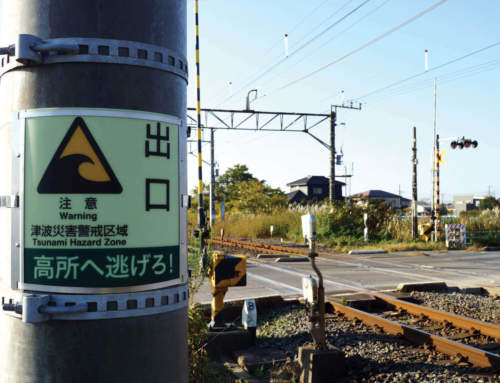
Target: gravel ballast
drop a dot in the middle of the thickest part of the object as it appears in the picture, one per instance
(479, 307)
(371, 355)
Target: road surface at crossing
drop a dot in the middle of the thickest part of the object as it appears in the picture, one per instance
(346, 273)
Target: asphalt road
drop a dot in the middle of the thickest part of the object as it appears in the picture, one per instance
(345, 273)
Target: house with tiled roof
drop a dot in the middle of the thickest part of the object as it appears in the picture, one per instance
(312, 188)
(390, 199)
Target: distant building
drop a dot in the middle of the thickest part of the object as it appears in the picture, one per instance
(466, 202)
(313, 188)
(390, 199)
(423, 208)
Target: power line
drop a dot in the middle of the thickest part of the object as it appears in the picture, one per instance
(371, 42)
(430, 70)
(340, 34)
(290, 32)
(328, 18)
(307, 16)
(444, 79)
(272, 67)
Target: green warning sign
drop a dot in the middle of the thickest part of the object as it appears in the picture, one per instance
(101, 201)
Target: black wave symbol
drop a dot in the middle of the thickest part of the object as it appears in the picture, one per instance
(62, 176)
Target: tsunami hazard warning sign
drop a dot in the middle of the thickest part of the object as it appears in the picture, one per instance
(79, 166)
(101, 202)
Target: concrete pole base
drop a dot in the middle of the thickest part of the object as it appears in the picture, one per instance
(321, 366)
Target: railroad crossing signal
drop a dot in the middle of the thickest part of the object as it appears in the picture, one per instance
(463, 143)
(439, 158)
(226, 271)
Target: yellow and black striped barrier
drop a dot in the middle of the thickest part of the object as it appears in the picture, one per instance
(226, 271)
(425, 230)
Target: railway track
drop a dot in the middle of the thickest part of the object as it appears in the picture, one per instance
(259, 247)
(468, 340)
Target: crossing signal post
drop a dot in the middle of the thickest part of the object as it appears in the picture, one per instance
(226, 271)
(456, 143)
(463, 142)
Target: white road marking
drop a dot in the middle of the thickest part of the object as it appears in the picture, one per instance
(436, 269)
(325, 281)
(383, 270)
(275, 283)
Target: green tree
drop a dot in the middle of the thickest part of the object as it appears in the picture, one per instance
(256, 196)
(489, 202)
(242, 191)
(226, 186)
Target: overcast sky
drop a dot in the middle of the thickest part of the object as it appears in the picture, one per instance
(240, 39)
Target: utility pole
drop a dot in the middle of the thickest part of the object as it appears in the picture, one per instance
(88, 132)
(212, 176)
(333, 123)
(399, 195)
(433, 201)
(331, 186)
(414, 211)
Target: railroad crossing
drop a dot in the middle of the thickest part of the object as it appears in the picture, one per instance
(346, 273)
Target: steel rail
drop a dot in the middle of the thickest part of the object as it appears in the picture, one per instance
(255, 246)
(485, 328)
(475, 356)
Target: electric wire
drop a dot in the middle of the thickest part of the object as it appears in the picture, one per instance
(360, 48)
(281, 61)
(278, 42)
(430, 70)
(337, 35)
(443, 80)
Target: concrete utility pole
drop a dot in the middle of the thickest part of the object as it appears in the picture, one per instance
(331, 186)
(433, 201)
(414, 211)
(333, 123)
(93, 274)
(212, 177)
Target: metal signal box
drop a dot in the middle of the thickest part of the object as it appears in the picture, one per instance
(309, 227)
(310, 290)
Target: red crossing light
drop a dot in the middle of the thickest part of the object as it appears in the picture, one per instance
(453, 144)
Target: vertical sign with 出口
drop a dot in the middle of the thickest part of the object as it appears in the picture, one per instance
(101, 201)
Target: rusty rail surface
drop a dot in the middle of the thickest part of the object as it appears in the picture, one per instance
(485, 328)
(475, 356)
(258, 247)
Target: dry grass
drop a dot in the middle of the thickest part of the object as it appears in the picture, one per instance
(394, 246)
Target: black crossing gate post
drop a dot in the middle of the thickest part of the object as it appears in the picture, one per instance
(93, 256)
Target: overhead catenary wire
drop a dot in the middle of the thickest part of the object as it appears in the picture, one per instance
(338, 35)
(430, 70)
(444, 79)
(278, 42)
(360, 48)
(281, 61)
